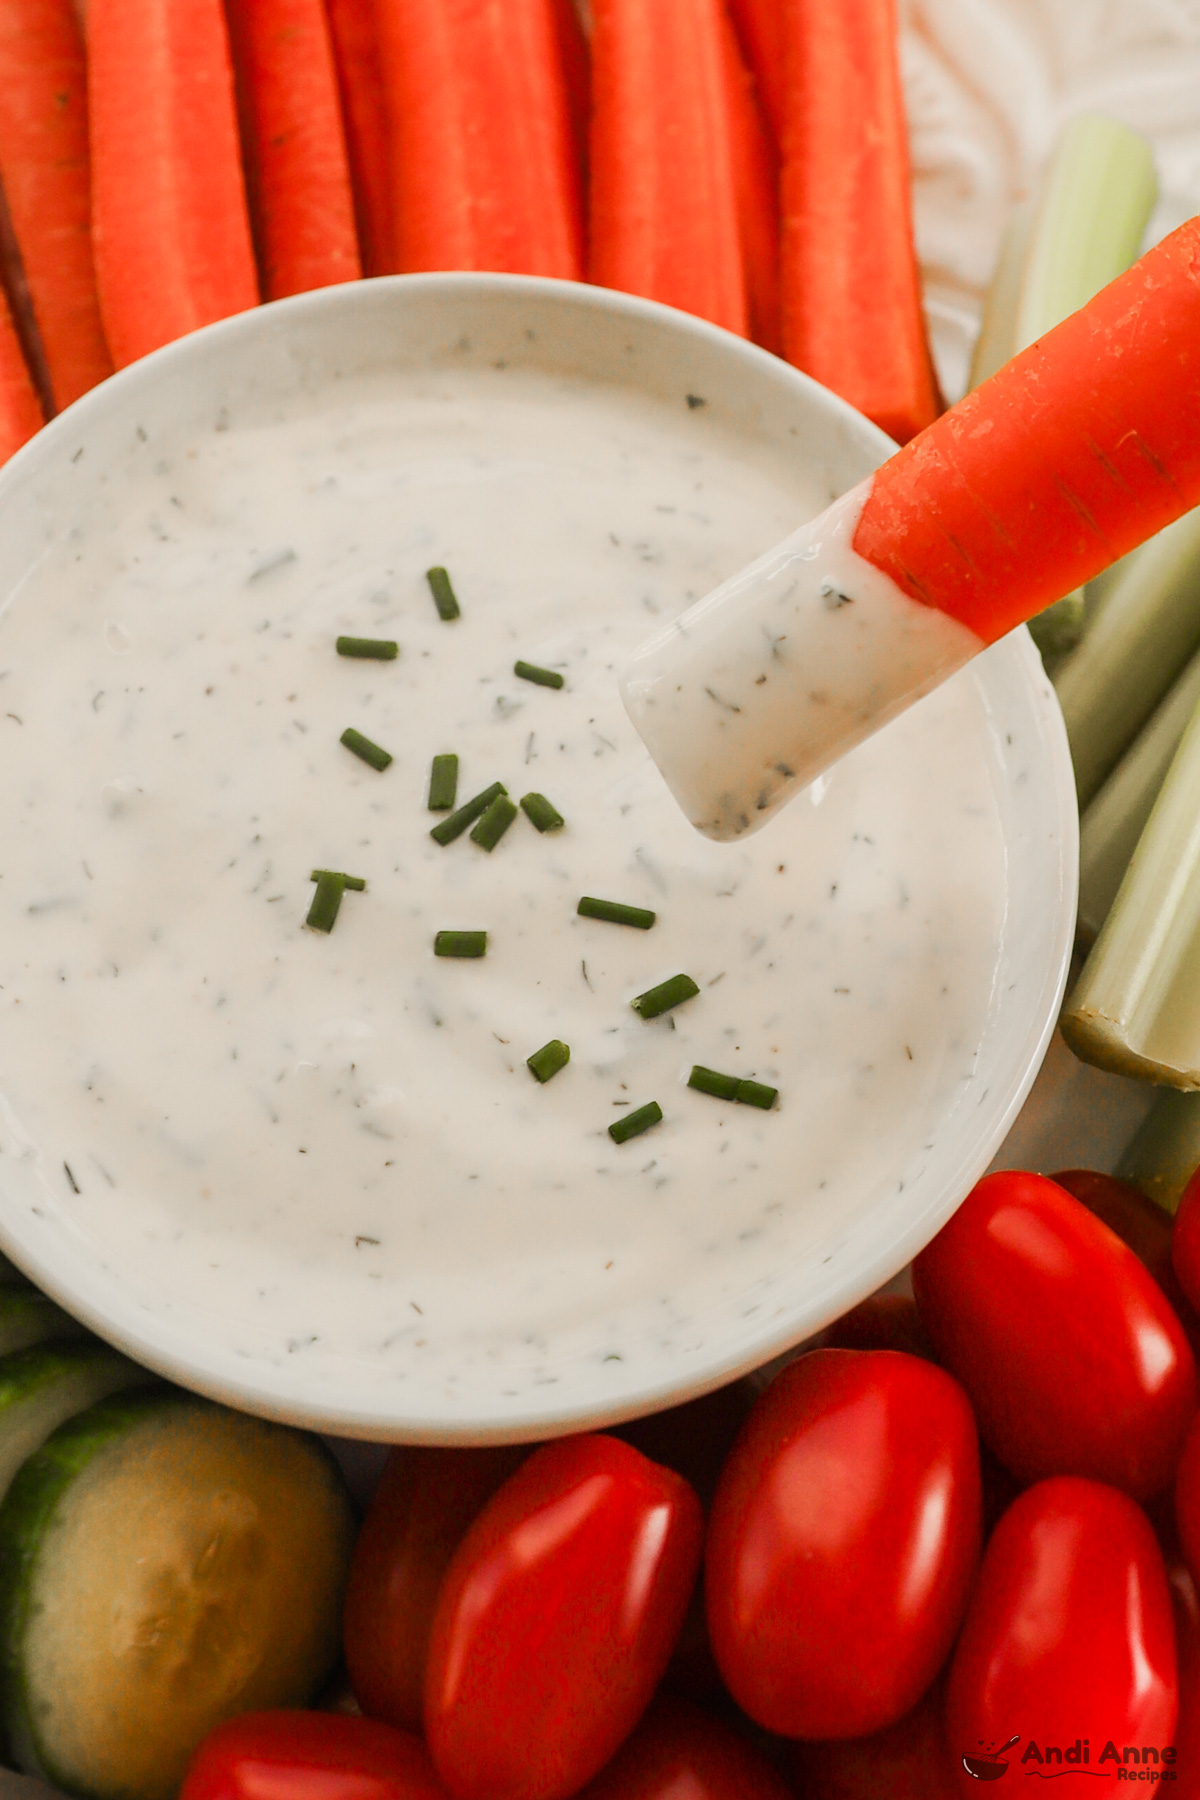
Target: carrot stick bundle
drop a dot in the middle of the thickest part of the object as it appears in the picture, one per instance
(297, 172)
(364, 115)
(483, 166)
(756, 184)
(759, 26)
(45, 175)
(1081, 447)
(20, 409)
(170, 226)
(664, 216)
(851, 291)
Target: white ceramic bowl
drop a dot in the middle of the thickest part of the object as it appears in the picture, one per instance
(293, 355)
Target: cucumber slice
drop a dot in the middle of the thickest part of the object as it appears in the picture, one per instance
(42, 1387)
(164, 1564)
(27, 1317)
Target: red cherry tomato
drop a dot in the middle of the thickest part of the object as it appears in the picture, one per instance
(557, 1618)
(1068, 1639)
(681, 1753)
(842, 1542)
(1074, 1360)
(1142, 1224)
(1186, 1603)
(1185, 1241)
(881, 1322)
(310, 1756)
(907, 1761)
(422, 1507)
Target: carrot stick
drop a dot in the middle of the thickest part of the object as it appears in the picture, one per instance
(484, 174)
(364, 114)
(664, 219)
(851, 292)
(759, 26)
(576, 60)
(20, 409)
(44, 171)
(1081, 447)
(294, 148)
(171, 230)
(756, 183)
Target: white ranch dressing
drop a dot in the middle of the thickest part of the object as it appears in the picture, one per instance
(333, 1140)
(756, 690)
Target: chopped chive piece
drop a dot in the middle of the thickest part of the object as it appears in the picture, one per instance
(711, 1081)
(443, 783)
(755, 1093)
(326, 901)
(460, 943)
(617, 913)
(667, 994)
(541, 677)
(539, 812)
(443, 594)
(350, 881)
(456, 824)
(365, 750)
(378, 649)
(634, 1123)
(494, 822)
(549, 1059)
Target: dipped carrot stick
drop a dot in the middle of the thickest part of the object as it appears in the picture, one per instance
(851, 292)
(483, 166)
(664, 216)
(756, 184)
(171, 230)
(364, 115)
(294, 147)
(1077, 450)
(760, 31)
(20, 409)
(45, 175)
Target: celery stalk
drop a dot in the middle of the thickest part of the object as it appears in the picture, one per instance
(1165, 1153)
(1143, 628)
(997, 340)
(1113, 823)
(1136, 1006)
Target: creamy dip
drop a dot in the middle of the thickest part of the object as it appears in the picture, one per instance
(330, 1146)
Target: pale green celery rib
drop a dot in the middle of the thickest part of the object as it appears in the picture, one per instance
(1165, 1153)
(997, 340)
(1144, 625)
(1113, 823)
(1136, 1006)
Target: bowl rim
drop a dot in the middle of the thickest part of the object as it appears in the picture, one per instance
(218, 1373)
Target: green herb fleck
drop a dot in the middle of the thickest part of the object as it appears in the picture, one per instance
(541, 813)
(494, 822)
(327, 900)
(549, 1059)
(755, 1093)
(350, 881)
(667, 994)
(460, 943)
(710, 1081)
(634, 1123)
(541, 677)
(615, 912)
(449, 828)
(443, 783)
(365, 750)
(444, 597)
(377, 649)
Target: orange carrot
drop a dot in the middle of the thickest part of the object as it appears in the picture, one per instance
(20, 409)
(760, 31)
(756, 182)
(364, 114)
(171, 229)
(1078, 449)
(44, 171)
(293, 145)
(664, 218)
(576, 60)
(851, 291)
(484, 174)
